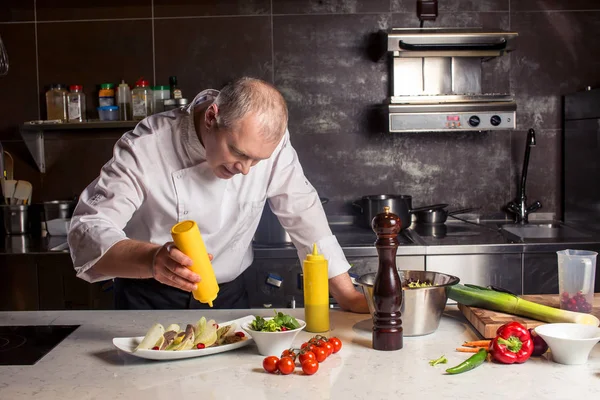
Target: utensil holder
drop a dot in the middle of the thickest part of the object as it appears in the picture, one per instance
(16, 219)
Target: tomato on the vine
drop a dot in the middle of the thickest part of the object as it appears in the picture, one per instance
(309, 355)
(309, 367)
(336, 343)
(270, 364)
(328, 347)
(320, 354)
(286, 365)
(289, 353)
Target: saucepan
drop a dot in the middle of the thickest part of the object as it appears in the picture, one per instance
(437, 214)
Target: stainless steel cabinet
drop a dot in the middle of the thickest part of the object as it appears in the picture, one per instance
(501, 270)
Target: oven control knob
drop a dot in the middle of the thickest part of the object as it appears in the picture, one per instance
(474, 121)
(495, 120)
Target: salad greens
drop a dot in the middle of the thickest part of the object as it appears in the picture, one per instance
(280, 322)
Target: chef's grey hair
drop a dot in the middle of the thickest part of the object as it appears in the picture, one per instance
(251, 95)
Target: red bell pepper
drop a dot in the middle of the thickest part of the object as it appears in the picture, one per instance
(512, 344)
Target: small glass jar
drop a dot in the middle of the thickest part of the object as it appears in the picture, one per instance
(76, 104)
(56, 102)
(142, 99)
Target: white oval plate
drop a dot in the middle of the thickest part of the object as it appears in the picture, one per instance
(128, 345)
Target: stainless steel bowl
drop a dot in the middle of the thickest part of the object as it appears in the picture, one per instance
(422, 308)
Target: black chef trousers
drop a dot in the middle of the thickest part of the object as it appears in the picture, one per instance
(149, 294)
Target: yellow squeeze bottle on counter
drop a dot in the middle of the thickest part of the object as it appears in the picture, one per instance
(188, 240)
(316, 292)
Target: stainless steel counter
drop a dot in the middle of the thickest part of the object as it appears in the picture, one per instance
(454, 237)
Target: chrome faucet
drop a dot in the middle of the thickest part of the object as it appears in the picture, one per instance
(519, 207)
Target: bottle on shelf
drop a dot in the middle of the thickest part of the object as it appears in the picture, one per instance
(124, 102)
(142, 100)
(76, 104)
(56, 102)
(175, 90)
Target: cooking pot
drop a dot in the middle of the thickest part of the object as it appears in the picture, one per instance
(435, 214)
(370, 206)
(269, 229)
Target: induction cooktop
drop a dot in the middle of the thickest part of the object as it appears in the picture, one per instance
(27, 344)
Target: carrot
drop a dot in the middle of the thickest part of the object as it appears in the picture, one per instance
(477, 343)
(469, 349)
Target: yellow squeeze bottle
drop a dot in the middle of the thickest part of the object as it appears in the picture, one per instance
(187, 238)
(316, 292)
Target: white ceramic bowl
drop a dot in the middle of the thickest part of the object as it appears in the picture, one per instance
(569, 343)
(273, 343)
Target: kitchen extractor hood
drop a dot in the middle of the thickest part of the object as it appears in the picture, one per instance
(436, 81)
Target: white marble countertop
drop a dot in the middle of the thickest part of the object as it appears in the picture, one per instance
(87, 366)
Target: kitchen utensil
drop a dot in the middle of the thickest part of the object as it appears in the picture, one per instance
(422, 308)
(9, 165)
(58, 209)
(576, 278)
(9, 191)
(273, 343)
(15, 219)
(569, 344)
(23, 191)
(128, 345)
(372, 205)
(437, 215)
(269, 229)
(487, 322)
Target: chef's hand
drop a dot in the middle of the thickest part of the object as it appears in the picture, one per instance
(170, 266)
(347, 297)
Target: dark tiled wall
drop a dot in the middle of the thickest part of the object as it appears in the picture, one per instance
(320, 54)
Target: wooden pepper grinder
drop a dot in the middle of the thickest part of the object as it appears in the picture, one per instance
(387, 289)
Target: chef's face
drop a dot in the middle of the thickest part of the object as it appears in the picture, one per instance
(234, 151)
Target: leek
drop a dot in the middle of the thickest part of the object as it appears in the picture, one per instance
(489, 299)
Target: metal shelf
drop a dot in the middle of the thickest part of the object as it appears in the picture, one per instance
(34, 134)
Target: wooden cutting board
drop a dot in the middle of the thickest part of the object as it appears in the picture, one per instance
(487, 322)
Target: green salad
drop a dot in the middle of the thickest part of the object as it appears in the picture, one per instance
(280, 322)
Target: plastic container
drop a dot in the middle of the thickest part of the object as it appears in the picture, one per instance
(188, 239)
(142, 100)
(108, 113)
(56, 102)
(76, 104)
(124, 102)
(576, 278)
(316, 292)
(160, 93)
(106, 95)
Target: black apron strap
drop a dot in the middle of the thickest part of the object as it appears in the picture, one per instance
(149, 294)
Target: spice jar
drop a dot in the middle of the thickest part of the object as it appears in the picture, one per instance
(56, 102)
(76, 104)
(142, 100)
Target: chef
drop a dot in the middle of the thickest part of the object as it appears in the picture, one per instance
(216, 162)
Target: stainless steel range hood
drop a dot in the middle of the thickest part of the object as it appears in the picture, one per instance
(436, 81)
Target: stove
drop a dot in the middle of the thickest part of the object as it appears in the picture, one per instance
(27, 344)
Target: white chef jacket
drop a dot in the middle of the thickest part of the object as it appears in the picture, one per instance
(158, 176)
